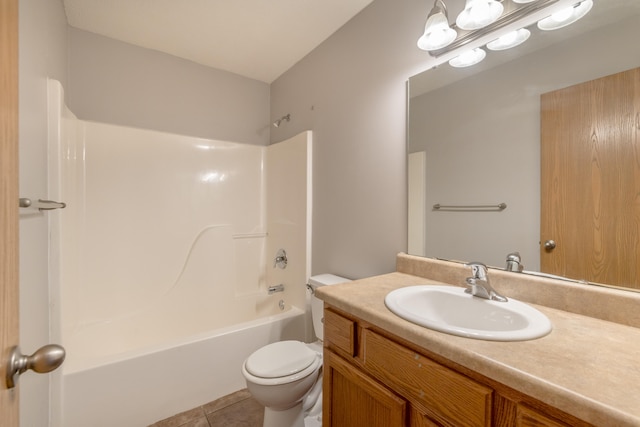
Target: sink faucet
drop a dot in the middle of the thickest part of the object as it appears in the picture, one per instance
(478, 284)
(514, 262)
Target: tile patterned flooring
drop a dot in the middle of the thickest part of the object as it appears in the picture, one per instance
(238, 409)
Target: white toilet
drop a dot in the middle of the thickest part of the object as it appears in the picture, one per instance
(286, 376)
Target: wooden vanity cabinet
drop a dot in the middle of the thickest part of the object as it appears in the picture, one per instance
(372, 380)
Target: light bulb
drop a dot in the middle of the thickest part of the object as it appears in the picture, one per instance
(566, 16)
(437, 33)
(509, 40)
(468, 58)
(478, 14)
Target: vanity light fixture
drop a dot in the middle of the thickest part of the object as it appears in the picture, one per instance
(437, 32)
(482, 18)
(509, 40)
(468, 58)
(566, 16)
(478, 14)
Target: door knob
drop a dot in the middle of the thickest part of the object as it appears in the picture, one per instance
(549, 245)
(44, 360)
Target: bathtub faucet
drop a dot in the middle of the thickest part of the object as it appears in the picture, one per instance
(273, 289)
(281, 259)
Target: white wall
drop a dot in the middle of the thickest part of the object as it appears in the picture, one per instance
(42, 53)
(115, 82)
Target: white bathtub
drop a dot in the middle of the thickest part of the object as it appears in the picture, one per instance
(139, 389)
(160, 263)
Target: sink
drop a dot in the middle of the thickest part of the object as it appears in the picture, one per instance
(449, 309)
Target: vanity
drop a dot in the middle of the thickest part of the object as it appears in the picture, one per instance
(382, 370)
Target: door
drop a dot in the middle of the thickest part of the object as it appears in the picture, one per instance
(8, 201)
(590, 180)
(352, 399)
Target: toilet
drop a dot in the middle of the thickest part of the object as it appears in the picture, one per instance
(286, 377)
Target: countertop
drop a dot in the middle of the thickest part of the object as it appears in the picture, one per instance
(586, 367)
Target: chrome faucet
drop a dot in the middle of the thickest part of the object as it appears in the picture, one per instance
(273, 289)
(281, 259)
(514, 262)
(478, 284)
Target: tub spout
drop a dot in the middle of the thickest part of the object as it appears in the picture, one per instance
(273, 289)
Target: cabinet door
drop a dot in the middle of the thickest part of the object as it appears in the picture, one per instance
(528, 417)
(447, 396)
(352, 399)
(418, 418)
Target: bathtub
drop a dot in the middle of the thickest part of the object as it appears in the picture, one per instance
(139, 389)
(160, 264)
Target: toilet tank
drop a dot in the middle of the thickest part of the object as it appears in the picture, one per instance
(317, 306)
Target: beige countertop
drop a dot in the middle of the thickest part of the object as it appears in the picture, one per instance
(587, 367)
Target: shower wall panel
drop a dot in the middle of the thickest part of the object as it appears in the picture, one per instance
(145, 199)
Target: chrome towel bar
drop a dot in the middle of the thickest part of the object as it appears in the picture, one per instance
(498, 207)
(43, 205)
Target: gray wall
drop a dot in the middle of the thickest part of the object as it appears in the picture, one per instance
(351, 91)
(42, 54)
(115, 82)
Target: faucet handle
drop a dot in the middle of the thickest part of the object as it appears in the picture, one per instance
(281, 259)
(514, 262)
(479, 270)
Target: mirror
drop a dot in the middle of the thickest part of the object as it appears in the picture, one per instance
(474, 137)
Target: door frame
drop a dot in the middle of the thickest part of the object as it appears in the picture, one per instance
(9, 215)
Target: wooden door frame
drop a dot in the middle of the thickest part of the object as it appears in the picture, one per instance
(9, 215)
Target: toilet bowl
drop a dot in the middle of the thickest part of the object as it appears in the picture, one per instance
(285, 376)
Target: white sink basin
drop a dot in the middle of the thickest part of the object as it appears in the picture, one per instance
(449, 309)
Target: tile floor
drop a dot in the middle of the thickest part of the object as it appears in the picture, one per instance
(238, 409)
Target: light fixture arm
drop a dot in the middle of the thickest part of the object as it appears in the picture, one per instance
(439, 6)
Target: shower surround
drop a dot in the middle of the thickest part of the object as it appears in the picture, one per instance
(160, 264)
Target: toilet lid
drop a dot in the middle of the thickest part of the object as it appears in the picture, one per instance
(280, 359)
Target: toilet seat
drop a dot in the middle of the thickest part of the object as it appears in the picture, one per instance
(280, 359)
(281, 362)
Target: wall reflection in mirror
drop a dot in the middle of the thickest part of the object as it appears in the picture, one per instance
(475, 140)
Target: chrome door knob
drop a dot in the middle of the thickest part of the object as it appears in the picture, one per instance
(549, 245)
(44, 360)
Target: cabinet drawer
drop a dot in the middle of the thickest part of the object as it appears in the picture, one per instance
(339, 333)
(447, 396)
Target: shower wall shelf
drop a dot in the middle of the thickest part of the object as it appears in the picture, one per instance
(498, 207)
(249, 235)
(41, 205)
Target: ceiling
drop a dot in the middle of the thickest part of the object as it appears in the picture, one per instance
(259, 39)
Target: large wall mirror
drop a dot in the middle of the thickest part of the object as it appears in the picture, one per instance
(475, 145)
